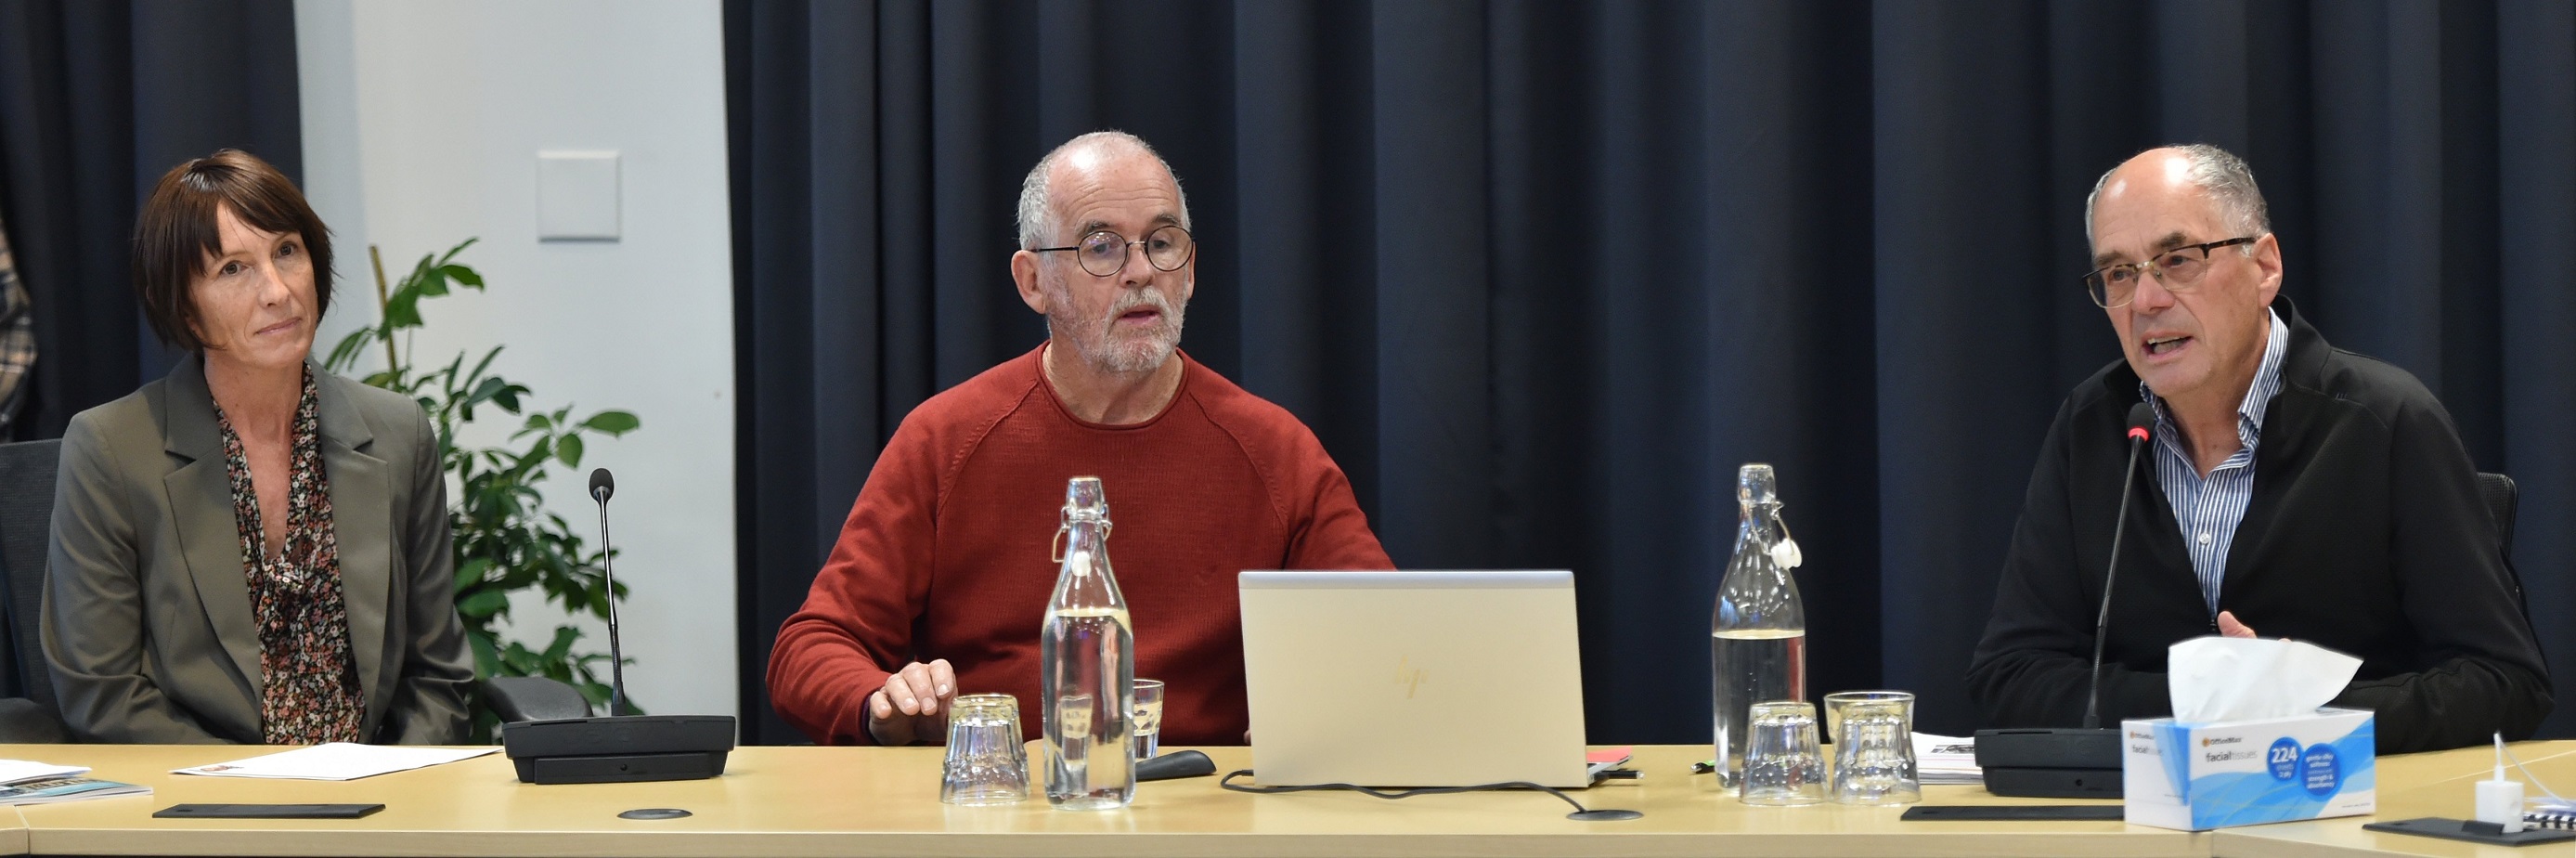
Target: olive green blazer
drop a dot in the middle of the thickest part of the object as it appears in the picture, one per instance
(147, 617)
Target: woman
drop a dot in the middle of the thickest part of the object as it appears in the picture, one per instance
(250, 550)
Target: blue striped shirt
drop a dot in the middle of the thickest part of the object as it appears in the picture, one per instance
(2209, 509)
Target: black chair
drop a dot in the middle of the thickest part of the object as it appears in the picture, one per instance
(2502, 498)
(533, 698)
(28, 714)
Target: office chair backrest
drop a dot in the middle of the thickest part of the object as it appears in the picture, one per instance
(26, 525)
(2502, 497)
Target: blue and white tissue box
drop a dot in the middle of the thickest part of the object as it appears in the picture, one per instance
(2196, 777)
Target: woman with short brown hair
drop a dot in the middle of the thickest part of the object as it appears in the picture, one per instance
(250, 550)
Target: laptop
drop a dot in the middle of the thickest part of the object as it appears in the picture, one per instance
(1413, 679)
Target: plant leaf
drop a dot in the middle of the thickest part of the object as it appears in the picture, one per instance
(462, 275)
(459, 248)
(483, 603)
(345, 354)
(568, 451)
(612, 422)
(562, 647)
(403, 310)
(469, 572)
(487, 660)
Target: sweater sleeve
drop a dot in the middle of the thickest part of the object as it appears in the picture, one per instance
(2485, 672)
(857, 621)
(1326, 529)
(2033, 668)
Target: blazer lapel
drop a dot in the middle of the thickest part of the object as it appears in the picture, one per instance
(362, 523)
(200, 498)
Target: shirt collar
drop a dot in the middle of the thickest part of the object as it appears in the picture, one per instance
(2258, 397)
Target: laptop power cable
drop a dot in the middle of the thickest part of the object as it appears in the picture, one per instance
(1580, 812)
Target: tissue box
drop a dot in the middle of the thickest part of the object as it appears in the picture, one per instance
(2196, 777)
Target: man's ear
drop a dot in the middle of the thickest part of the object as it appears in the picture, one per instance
(1024, 273)
(2267, 258)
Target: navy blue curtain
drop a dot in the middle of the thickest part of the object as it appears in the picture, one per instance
(1542, 274)
(97, 100)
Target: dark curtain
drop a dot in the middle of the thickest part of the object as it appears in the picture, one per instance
(97, 100)
(1541, 275)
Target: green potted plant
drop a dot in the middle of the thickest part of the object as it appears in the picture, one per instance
(506, 541)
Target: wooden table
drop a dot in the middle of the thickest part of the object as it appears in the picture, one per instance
(884, 801)
(2414, 785)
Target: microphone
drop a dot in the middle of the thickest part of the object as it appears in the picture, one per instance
(2072, 762)
(618, 747)
(601, 486)
(2141, 420)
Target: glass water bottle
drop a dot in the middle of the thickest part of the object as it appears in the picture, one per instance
(1758, 639)
(1087, 665)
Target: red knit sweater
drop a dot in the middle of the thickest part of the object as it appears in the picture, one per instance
(945, 555)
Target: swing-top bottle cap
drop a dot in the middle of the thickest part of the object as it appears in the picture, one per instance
(1755, 484)
(1085, 500)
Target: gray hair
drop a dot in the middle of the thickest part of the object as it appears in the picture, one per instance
(1037, 215)
(2219, 173)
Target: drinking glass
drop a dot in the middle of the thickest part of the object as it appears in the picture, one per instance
(1149, 718)
(1874, 748)
(1782, 764)
(1835, 702)
(987, 763)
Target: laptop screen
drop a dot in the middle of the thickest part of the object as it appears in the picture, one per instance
(1451, 678)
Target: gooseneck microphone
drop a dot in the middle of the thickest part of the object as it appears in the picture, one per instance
(2072, 762)
(2141, 420)
(601, 486)
(618, 747)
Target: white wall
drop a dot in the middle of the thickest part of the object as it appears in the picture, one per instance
(422, 124)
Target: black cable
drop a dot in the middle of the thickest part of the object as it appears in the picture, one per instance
(1580, 812)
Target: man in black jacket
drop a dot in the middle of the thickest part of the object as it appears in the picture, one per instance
(2290, 487)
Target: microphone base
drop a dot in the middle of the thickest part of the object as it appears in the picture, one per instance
(2051, 762)
(619, 749)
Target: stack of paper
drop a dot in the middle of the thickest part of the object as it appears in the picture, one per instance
(1946, 760)
(27, 782)
(13, 771)
(336, 761)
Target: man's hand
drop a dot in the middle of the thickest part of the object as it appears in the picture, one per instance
(2229, 626)
(912, 697)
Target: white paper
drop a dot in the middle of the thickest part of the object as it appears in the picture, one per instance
(2230, 679)
(13, 771)
(1946, 760)
(337, 761)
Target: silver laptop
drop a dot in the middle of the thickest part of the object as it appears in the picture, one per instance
(1413, 678)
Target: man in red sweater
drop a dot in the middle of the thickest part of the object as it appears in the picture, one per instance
(941, 576)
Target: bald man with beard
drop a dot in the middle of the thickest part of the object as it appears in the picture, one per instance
(940, 580)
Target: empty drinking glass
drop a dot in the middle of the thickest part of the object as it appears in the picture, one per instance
(1835, 702)
(1149, 718)
(1782, 764)
(1873, 748)
(987, 763)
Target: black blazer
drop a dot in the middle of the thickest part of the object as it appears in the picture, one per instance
(2366, 535)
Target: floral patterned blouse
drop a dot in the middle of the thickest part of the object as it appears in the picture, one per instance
(308, 678)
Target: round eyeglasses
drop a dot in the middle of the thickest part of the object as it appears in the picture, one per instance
(2177, 269)
(1104, 252)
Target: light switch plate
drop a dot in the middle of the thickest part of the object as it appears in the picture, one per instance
(577, 196)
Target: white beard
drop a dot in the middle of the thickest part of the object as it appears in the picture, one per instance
(1092, 341)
